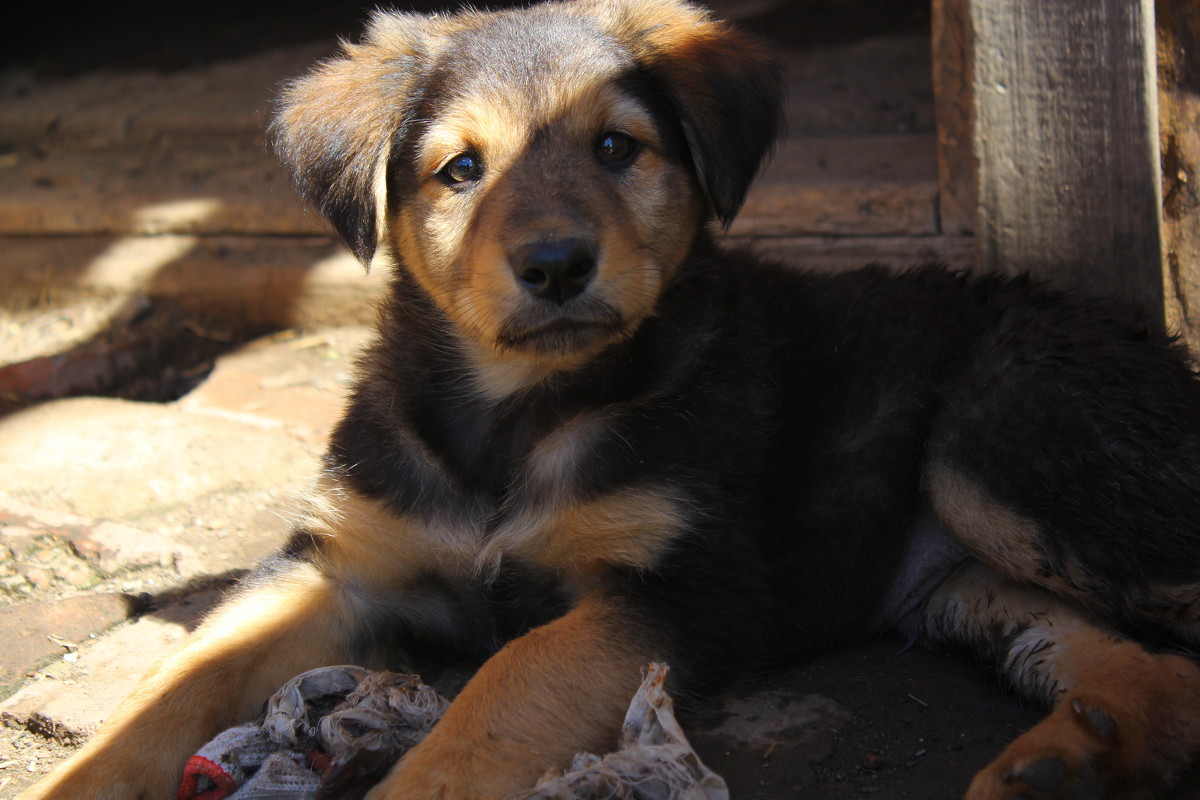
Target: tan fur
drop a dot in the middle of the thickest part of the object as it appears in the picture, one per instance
(558, 455)
(582, 540)
(500, 375)
(561, 689)
(360, 540)
(1001, 538)
(978, 606)
(1152, 702)
(1007, 542)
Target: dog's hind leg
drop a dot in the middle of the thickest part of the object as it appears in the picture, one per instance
(1125, 722)
(1066, 454)
(1065, 457)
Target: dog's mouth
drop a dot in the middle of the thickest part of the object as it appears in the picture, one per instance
(562, 334)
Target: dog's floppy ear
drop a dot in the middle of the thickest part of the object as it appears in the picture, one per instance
(726, 87)
(334, 127)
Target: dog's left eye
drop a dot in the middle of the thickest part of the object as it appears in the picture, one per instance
(616, 148)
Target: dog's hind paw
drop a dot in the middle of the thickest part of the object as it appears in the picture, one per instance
(1056, 760)
(1129, 729)
(1048, 778)
(1051, 778)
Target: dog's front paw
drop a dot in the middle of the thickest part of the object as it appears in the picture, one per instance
(107, 774)
(444, 784)
(456, 772)
(97, 785)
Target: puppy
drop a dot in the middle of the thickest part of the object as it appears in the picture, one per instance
(588, 437)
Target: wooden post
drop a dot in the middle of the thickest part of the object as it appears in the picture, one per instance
(1178, 25)
(1067, 139)
(953, 88)
(1062, 164)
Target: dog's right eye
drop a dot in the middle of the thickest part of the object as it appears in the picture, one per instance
(462, 168)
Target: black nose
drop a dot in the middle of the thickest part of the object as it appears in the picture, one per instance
(555, 270)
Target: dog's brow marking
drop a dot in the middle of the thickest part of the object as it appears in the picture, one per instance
(493, 126)
(628, 114)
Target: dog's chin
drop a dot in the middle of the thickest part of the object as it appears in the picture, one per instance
(562, 334)
(561, 339)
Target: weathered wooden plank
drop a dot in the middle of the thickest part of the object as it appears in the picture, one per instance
(875, 86)
(1178, 26)
(101, 109)
(845, 185)
(837, 253)
(953, 48)
(1067, 139)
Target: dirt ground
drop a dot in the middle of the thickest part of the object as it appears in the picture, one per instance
(915, 725)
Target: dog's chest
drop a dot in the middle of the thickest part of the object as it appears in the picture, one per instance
(555, 506)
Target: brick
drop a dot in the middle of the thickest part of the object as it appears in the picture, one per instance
(34, 631)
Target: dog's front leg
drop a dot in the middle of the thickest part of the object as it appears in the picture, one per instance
(295, 621)
(558, 690)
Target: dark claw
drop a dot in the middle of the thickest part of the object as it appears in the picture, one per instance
(1049, 778)
(1100, 722)
(1046, 776)
(1087, 784)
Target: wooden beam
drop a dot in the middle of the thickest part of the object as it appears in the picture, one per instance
(1066, 137)
(1178, 26)
(954, 109)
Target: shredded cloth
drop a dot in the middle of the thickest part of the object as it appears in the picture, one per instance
(332, 733)
(653, 762)
(329, 733)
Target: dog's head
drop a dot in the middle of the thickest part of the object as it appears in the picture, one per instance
(541, 173)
